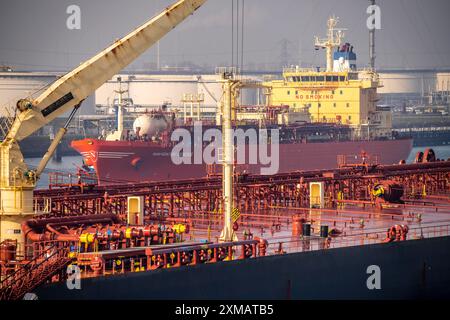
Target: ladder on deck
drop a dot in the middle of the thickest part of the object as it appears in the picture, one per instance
(5, 125)
(31, 275)
(6, 121)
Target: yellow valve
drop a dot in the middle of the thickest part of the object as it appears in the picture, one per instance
(378, 191)
(128, 233)
(179, 228)
(340, 196)
(72, 255)
(87, 238)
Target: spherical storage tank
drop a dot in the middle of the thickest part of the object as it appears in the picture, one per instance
(149, 125)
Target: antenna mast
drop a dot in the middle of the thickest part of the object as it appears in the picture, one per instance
(372, 43)
(334, 39)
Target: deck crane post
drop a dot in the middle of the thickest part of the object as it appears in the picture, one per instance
(229, 84)
(17, 181)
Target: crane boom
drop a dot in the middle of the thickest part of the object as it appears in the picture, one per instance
(75, 86)
(17, 182)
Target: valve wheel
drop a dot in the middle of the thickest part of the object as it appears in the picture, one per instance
(429, 155)
(419, 157)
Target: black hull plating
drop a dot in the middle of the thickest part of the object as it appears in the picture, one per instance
(409, 270)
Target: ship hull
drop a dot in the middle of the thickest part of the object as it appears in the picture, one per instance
(139, 161)
(408, 270)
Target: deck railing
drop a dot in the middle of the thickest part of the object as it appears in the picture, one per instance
(313, 243)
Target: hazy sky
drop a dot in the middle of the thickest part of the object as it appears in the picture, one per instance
(415, 33)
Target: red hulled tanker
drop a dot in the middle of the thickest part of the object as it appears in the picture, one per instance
(301, 147)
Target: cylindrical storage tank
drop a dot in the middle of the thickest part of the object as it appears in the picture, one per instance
(443, 82)
(151, 91)
(306, 229)
(17, 85)
(154, 91)
(407, 82)
(323, 231)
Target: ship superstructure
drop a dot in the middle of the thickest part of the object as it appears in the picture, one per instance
(339, 94)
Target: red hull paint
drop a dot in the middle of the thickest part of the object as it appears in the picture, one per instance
(138, 161)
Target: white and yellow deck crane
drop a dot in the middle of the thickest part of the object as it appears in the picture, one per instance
(17, 181)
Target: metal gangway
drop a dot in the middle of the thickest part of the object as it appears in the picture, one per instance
(37, 271)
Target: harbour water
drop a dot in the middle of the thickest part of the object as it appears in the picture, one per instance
(70, 164)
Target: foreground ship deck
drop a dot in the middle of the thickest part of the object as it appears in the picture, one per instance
(409, 270)
(288, 247)
(293, 266)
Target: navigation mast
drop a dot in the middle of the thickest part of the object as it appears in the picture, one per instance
(333, 40)
(372, 42)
